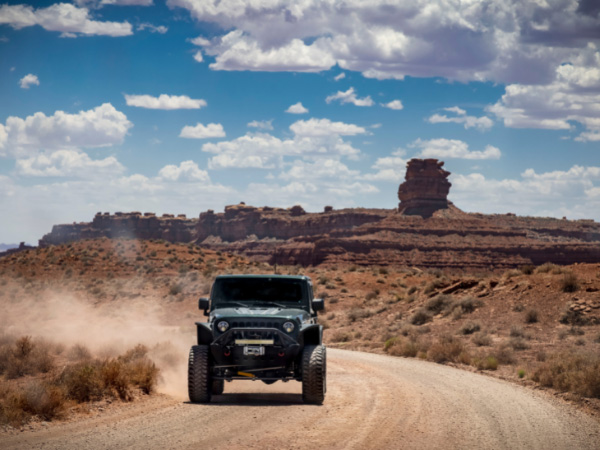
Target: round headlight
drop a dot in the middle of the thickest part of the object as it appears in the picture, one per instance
(288, 327)
(222, 326)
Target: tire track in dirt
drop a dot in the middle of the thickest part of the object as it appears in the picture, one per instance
(373, 401)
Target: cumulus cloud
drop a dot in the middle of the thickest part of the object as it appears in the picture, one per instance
(325, 127)
(187, 170)
(62, 17)
(389, 168)
(321, 169)
(481, 123)
(164, 101)
(506, 42)
(349, 96)
(452, 148)
(200, 131)
(313, 138)
(573, 96)
(160, 29)
(68, 163)
(570, 193)
(261, 124)
(297, 108)
(198, 56)
(394, 104)
(340, 76)
(98, 127)
(28, 80)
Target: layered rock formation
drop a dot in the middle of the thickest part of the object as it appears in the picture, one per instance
(426, 188)
(427, 230)
(133, 225)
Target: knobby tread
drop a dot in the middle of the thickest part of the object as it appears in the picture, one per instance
(314, 374)
(199, 383)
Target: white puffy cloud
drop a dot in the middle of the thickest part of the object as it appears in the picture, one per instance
(481, 123)
(325, 127)
(340, 76)
(237, 51)
(349, 96)
(297, 108)
(160, 29)
(573, 96)
(321, 169)
(394, 104)
(389, 168)
(509, 42)
(571, 193)
(68, 163)
(164, 101)
(63, 17)
(198, 56)
(187, 170)
(261, 124)
(313, 138)
(98, 127)
(28, 80)
(453, 148)
(200, 131)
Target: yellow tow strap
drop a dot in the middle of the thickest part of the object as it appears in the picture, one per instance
(246, 374)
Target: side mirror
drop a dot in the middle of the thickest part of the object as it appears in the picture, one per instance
(204, 304)
(318, 304)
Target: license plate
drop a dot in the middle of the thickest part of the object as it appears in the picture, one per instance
(254, 350)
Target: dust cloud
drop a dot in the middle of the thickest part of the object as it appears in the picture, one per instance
(108, 328)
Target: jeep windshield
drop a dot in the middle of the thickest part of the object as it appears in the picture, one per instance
(258, 292)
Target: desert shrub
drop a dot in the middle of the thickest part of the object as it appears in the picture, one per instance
(435, 284)
(420, 317)
(447, 348)
(43, 399)
(26, 357)
(570, 317)
(527, 269)
(531, 316)
(341, 336)
(481, 339)
(469, 328)
(504, 354)
(412, 290)
(571, 372)
(518, 343)
(521, 373)
(486, 363)
(511, 273)
(402, 347)
(576, 331)
(359, 313)
(546, 267)
(82, 382)
(467, 304)
(569, 282)
(518, 307)
(175, 289)
(438, 304)
(517, 331)
(371, 295)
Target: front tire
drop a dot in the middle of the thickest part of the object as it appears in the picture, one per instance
(199, 383)
(314, 374)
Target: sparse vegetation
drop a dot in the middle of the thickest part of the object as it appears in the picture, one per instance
(573, 372)
(569, 282)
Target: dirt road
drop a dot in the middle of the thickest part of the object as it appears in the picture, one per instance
(373, 401)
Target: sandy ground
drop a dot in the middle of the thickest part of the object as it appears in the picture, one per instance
(373, 401)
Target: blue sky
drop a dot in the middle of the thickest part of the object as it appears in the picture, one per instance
(185, 105)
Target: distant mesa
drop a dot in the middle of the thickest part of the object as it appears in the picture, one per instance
(426, 188)
(426, 230)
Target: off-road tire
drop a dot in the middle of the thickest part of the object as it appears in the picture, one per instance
(199, 382)
(314, 374)
(218, 386)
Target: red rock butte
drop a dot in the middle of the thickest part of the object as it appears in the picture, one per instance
(426, 188)
(426, 230)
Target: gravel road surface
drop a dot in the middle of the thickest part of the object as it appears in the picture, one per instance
(373, 401)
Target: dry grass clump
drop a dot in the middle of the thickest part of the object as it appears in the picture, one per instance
(481, 339)
(399, 346)
(488, 362)
(571, 372)
(548, 268)
(531, 316)
(359, 313)
(569, 282)
(420, 317)
(469, 328)
(341, 336)
(24, 356)
(439, 303)
(448, 349)
(87, 379)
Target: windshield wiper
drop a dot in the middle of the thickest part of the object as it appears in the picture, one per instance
(229, 302)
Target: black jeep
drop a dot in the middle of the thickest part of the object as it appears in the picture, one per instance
(260, 327)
